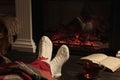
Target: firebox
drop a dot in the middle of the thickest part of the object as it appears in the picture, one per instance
(82, 25)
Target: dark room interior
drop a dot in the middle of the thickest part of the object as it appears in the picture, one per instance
(85, 26)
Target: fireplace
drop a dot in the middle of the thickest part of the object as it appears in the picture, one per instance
(84, 25)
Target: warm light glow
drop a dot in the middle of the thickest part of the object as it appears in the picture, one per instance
(76, 41)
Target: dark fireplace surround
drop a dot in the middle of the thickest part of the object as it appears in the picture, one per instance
(84, 25)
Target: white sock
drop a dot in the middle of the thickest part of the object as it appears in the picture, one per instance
(61, 57)
(45, 48)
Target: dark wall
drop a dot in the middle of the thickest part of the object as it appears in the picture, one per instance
(37, 19)
(7, 7)
(115, 29)
(63, 12)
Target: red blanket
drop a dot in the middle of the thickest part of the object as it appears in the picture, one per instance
(34, 71)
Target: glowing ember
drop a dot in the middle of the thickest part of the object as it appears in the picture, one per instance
(77, 42)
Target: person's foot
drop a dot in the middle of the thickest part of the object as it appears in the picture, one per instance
(61, 57)
(45, 48)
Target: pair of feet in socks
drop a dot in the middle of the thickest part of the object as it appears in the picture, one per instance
(45, 50)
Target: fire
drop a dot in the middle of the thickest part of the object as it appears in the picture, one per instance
(74, 42)
(79, 34)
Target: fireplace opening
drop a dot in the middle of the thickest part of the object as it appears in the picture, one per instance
(82, 25)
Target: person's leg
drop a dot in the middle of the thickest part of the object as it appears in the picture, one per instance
(45, 48)
(44, 57)
(61, 57)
